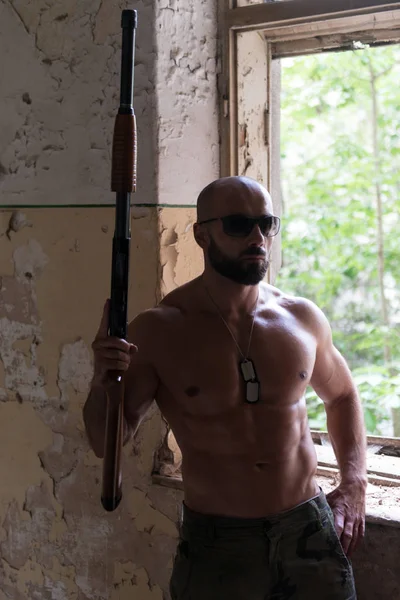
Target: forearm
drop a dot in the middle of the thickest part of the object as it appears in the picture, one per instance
(94, 417)
(347, 433)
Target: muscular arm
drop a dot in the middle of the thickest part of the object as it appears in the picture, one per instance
(140, 382)
(141, 379)
(332, 381)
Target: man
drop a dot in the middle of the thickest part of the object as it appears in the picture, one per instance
(228, 358)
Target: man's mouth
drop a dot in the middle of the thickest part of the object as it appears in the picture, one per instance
(253, 257)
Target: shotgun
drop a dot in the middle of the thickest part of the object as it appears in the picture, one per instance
(123, 183)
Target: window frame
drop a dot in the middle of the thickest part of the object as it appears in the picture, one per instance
(277, 20)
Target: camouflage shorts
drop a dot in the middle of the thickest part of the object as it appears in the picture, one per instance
(296, 555)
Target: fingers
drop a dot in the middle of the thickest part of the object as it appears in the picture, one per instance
(110, 353)
(361, 529)
(112, 343)
(115, 355)
(349, 536)
(339, 523)
(348, 508)
(114, 365)
(112, 350)
(358, 535)
(349, 530)
(346, 530)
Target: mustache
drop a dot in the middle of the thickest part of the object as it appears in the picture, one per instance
(254, 251)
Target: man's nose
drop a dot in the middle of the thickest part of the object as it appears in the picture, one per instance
(256, 238)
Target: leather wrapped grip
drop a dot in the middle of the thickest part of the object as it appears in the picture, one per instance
(124, 153)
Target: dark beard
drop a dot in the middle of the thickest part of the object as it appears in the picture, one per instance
(236, 270)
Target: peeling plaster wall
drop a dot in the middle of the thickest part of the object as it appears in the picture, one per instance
(56, 541)
(258, 124)
(188, 133)
(59, 80)
(187, 102)
(252, 103)
(180, 257)
(59, 86)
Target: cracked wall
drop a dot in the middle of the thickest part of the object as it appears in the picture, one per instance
(56, 541)
(180, 257)
(187, 107)
(58, 99)
(59, 95)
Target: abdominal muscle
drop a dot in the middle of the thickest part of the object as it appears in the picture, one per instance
(268, 466)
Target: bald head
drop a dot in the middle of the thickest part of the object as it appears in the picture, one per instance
(229, 195)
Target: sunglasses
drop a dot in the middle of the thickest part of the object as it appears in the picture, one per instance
(242, 225)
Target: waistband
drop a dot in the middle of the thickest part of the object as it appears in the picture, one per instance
(196, 525)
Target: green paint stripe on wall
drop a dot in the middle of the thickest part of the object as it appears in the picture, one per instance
(18, 206)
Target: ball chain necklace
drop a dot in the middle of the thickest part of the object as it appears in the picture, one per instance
(246, 365)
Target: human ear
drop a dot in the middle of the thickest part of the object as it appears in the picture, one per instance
(200, 235)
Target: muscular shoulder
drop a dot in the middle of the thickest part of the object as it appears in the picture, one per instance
(307, 313)
(148, 322)
(153, 321)
(180, 299)
(146, 331)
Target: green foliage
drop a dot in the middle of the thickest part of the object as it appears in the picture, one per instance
(330, 229)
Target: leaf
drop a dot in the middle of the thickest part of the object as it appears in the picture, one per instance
(330, 228)
(370, 420)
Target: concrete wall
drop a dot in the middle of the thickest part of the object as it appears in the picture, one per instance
(376, 564)
(59, 86)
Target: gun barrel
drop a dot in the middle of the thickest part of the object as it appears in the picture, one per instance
(128, 24)
(123, 183)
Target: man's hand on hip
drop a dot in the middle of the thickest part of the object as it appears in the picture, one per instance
(347, 503)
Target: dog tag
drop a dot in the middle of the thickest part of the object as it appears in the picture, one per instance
(247, 369)
(252, 391)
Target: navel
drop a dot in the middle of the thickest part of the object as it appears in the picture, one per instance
(303, 375)
(260, 466)
(192, 391)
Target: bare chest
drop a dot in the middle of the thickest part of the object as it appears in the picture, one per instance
(200, 364)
